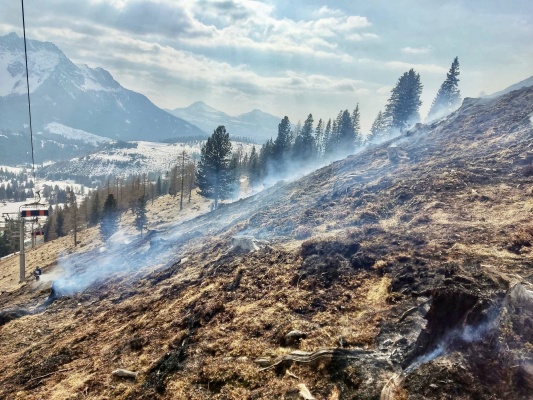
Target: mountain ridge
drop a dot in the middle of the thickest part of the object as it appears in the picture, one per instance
(255, 124)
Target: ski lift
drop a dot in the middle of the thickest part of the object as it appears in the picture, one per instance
(35, 209)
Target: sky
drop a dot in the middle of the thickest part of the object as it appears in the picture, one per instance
(286, 57)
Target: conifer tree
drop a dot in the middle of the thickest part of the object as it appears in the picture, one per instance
(346, 135)
(327, 136)
(379, 129)
(448, 97)
(404, 104)
(140, 214)
(304, 144)
(214, 176)
(109, 223)
(282, 144)
(254, 168)
(266, 156)
(94, 216)
(356, 124)
(319, 137)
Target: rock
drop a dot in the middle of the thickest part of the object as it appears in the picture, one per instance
(262, 362)
(124, 373)
(305, 393)
(294, 337)
(245, 244)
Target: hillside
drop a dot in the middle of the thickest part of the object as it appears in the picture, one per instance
(76, 96)
(403, 271)
(124, 159)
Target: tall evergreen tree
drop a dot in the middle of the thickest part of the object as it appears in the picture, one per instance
(282, 144)
(346, 136)
(109, 223)
(327, 137)
(266, 157)
(140, 214)
(379, 129)
(94, 216)
(404, 104)
(356, 124)
(319, 137)
(304, 144)
(254, 168)
(448, 97)
(213, 174)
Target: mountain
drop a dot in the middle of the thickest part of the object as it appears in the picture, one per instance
(403, 271)
(76, 96)
(256, 124)
(525, 83)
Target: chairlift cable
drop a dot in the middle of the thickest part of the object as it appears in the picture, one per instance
(28, 87)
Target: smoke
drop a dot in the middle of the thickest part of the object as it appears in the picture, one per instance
(123, 254)
(457, 337)
(128, 255)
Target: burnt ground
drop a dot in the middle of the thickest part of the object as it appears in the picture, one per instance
(406, 269)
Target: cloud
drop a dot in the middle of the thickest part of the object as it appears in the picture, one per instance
(416, 50)
(330, 12)
(429, 68)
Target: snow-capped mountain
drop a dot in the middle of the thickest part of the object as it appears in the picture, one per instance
(255, 124)
(78, 97)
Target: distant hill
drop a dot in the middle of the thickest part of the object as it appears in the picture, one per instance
(76, 96)
(256, 124)
(525, 83)
(124, 159)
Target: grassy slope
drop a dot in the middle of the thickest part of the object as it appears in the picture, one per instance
(456, 194)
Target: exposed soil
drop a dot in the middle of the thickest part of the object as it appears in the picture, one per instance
(406, 277)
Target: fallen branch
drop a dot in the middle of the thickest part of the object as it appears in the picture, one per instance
(305, 357)
(51, 373)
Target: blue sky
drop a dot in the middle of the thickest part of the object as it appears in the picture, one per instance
(286, 57)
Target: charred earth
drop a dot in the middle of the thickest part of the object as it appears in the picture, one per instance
(404, 271)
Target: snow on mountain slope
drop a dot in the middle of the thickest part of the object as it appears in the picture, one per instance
(80, 97)
(124, 159)
(13, 70)
(75, 134)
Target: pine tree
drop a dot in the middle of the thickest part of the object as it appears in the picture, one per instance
(327, 137)
(140, 214)
(94, 216)
(304, 145)
(282, 144)
(356, 124)
(109, 222)
(379, 129)
(73, 214)
(404, 104)
(346, 135)
(254, 168)
(213, 174)
(448, 97)
(60, 221)
(266, 157)
(319, 138)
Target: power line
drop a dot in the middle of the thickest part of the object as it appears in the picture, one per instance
(28, 86)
